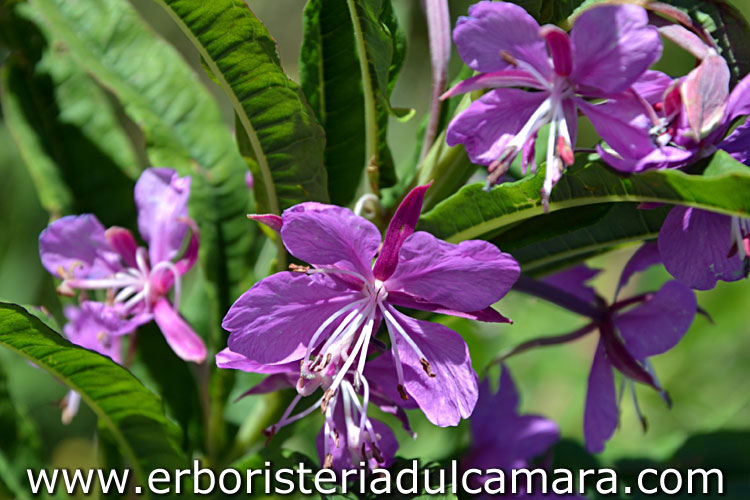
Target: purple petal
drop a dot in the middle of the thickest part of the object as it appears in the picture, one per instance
(738, 143)
(273, 221)
(574, 280)
(621, 124)
(97, 327)
(493, 28)
(451, 393)
(274, 321)
(231, 360)
(739, 100)
(76, 245)
(558, 43)
(657, 325)
(178, 334)
(695, 246)
(704, 95)
(610, 60)
(403, 299)
(490, 122)
(601, 415)
(643, 258)
(121, 241)
(189, 258)
(330, 236)
(466, 277)
(161, 197)
(400, 227)
(685, 39)
(502, 78)
(652, 85)
(382, 378)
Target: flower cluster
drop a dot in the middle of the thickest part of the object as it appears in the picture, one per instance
(133, 281)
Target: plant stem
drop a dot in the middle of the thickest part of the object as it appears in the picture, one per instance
(547, 341)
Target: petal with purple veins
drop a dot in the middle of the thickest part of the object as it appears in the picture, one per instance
(76, 246)
(469, 276)
(486, 127)
(274, 321)
(161, 197)
(658, 324)
(443, 382)
(601, 414)
(328, 235)
(695, 246)
(493, 28)
(610, 60)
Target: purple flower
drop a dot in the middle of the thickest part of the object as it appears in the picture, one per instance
(671, 124)
(94, 326)
(136, 280)
(631, 331)
(349, 436)
(509, 49)
(502, 438)
(328, 315)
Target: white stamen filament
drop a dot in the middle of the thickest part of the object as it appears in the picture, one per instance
(330, 320)
(356, 349)
(387, 312)
(169, 266)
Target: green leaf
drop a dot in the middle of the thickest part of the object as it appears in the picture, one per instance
(548, 242)
(180, 120)
(65, 127)
(331, 79)
(287, 143)
(475, 213)
(134, 415)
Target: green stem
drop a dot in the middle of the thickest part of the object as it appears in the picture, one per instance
(372, 159)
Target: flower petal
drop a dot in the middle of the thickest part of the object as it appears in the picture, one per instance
(76, 245)
(97, 327)
(610, 60)
(558, 43)
(739, 100)
(738, 143)
(643, 258)
(451, 393)
(657, 325)
(495, 79)
(161, 197)
(231, 360)
(574, 280)
(400, 227)
(695, 246)
(403, 299)
(178, 334)
(704, 95)
(273, 322)
(601, 415)
(652, 85)
(121, 241)
(490, 122)
(466, 277)
(330, 236)
(493, 28)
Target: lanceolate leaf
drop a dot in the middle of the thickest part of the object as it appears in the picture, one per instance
(57, 116)
(134, 414)
(180, 120)
(475, 213)
(547, 242)
(286, 141)
(331, 79)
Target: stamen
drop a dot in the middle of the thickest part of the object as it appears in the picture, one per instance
(402, 392)
(356, 349)
(141, 260)
(426, 367)
(331, 319)
(299, 269)
(169, 266)
(390, 318)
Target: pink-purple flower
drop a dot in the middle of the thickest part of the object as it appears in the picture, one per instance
(509, 49)
(124, 285)
(325, 318)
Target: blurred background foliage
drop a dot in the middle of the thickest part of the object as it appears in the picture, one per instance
(707, 374)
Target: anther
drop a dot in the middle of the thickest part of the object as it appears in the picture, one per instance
(326, 399)
(402, 392)
(507, 57)
(426, 366)
(296, 268)
(328, 462)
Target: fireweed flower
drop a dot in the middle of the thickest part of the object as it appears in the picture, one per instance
(326, 317)
(504, 439)
(631, 331)
(509, 49)
(686, 120)
(349, 436)
(136, 280)
(94, 326)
